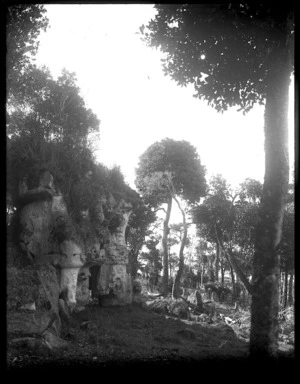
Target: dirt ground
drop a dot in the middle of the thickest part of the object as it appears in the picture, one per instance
(115, 336)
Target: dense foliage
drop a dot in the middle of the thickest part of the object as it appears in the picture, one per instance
(24, 23)
(51, 110)
(170, 167)
(224, 50)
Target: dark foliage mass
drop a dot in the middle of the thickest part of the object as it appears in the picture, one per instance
(224, 50)
(24, 22)
(171, 167)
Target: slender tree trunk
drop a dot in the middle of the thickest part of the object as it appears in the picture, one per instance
(286, 276)
(218, 261)
(233, 284)
(291, 290)
(202, 276)
(281, 288)
(222, 273)
(169, 261)
(155, 270)
(266, 267)
(165, 249)
(211, 273)
(176, 286)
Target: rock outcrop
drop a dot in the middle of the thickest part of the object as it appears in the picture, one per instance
(52, 238)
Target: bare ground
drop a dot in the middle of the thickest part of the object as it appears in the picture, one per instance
(119, 336)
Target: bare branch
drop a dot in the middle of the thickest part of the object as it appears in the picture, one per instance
(159, 209)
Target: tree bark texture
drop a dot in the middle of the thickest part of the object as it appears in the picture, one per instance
(222, 272)
(233, 284)
(285, 291)
(281, 287)
(165, 249)
(202, 276)
(217, 261)
(291, 290)
(266, 268)
(178, 276)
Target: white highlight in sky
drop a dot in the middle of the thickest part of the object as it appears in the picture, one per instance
(122, 81)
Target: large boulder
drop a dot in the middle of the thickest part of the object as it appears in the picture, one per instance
(51, 238)
(38, 285)
(179, 309)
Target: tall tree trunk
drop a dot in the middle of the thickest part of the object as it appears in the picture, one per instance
(281, 287)
(285, 292)
(211, 272)
(266, 267)
(233, 284)
(291, 290)
(222, 272)
(217, 261)
(176, 286)
(165, 282)
(155, 270)
(202, 276)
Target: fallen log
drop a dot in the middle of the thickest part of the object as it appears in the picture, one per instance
(192, 306)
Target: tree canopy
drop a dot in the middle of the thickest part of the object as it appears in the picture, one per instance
(170, 167)
(225, 50)
(51, 110)
(48, 126)
(24, 23)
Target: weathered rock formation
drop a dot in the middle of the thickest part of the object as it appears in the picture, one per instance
(92, 260)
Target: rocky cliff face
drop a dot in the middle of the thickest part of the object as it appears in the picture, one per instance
(50, 236)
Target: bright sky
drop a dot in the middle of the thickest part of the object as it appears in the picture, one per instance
(122, 81)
